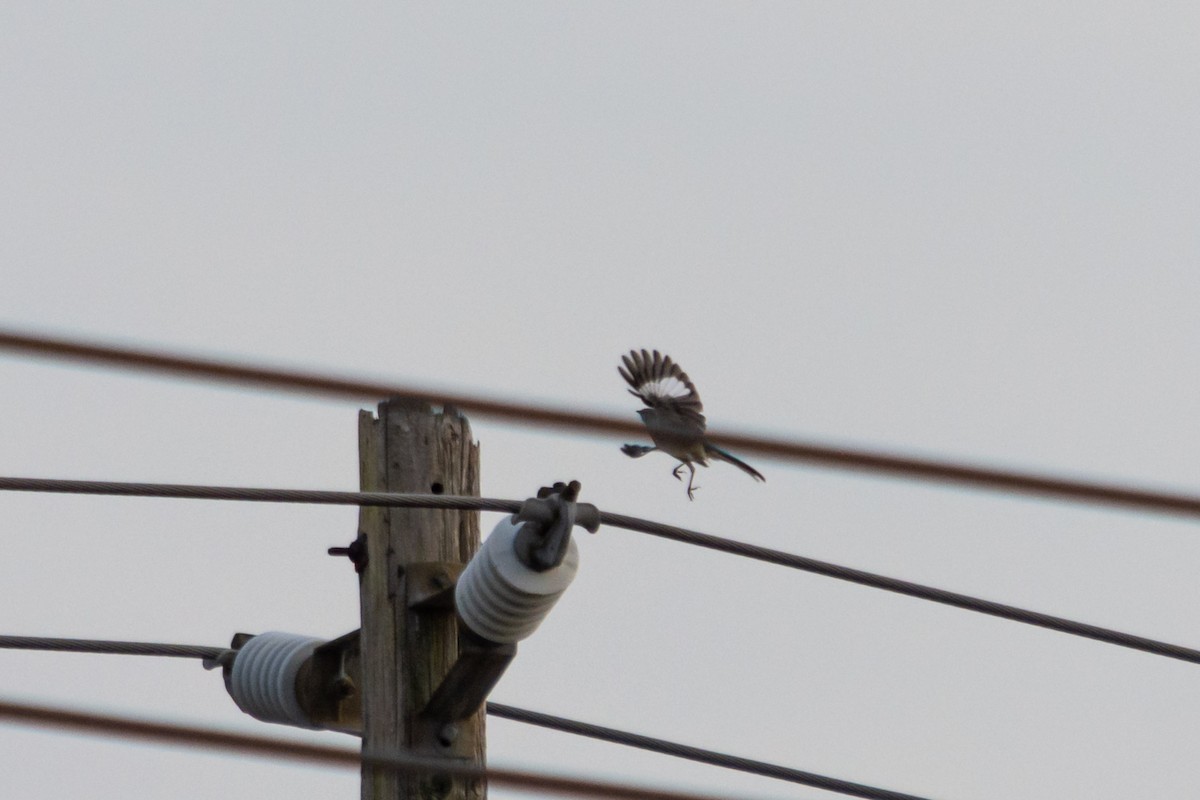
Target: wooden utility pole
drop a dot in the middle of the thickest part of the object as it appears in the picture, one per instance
(411, 554)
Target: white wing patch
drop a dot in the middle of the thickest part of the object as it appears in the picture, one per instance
(662, 385)
(669, 387)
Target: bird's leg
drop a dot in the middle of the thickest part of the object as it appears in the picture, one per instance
(675, 471)
(692, 477)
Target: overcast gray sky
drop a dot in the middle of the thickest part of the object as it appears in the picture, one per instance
(962, 229)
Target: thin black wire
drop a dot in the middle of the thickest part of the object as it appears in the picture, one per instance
(904, 587)
(256, 495)
(697, 754)
(562, 724)
(659, 529)
(208, 740)
(829, 456)
(110, 647)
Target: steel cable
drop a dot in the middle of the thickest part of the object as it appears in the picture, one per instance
(697, 754)
(659, 529)
(904, 587)
(257, 495)
(111, 647)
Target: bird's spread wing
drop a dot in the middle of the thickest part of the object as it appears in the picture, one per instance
(662, 385)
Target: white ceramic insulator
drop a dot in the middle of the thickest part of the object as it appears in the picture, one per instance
(501, 599)
(263, 681)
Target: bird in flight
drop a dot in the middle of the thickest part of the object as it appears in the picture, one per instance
(673, 415)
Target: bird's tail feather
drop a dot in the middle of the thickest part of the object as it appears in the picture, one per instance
(715, 452)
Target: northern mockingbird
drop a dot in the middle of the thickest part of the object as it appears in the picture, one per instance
(672, 415)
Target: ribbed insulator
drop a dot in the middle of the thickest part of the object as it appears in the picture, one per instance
(503, 600)
(263, 680)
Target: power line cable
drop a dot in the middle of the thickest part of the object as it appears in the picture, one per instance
(697, 754)
(830, 456)
(309, 753)
(513, 713)
(903, 587)
(109, 647)
(659, 529)
(186, 491)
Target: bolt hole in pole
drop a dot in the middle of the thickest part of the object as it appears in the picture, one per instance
(437, 787)
(437, 488)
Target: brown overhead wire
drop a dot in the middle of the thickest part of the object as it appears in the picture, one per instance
(212, 656)
(831, 456)
(309, 753)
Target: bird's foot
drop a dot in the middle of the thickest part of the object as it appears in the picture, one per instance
(677, 470)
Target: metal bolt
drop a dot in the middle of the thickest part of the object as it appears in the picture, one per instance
(343, 687)
(356, 552)
(448, 734)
